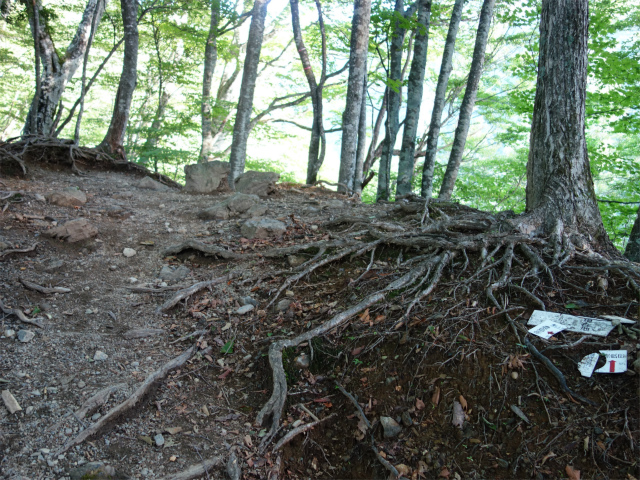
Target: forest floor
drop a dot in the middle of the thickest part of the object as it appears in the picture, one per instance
(469, 399)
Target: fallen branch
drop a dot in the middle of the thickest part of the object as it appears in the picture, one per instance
(133, 400)
(385, 463)
(41, 289)
(38, 322)
(298, 430)
(195, 471)
(187, 292)
(19, 250)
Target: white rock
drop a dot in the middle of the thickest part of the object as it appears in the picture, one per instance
(244, 309)
(100, 356)
(128, 252)
(133, 280)
(10, 402)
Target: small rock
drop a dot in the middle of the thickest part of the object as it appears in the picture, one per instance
(68, 431)
(151, 184)
(69, 197)
(514, 375)
(302, 360)
(81, 384)
(40, 198)
(502, 463)
(10, 402)
(314, 227)
(283, 305)
(249, 301)
(100, 356)
(25, 335)
(52, 390)
(4, 245)
(170, 275)
(133, 280)
(406, 419)
(113, 267)
(128, 252)
(390, 427)
(159, 439)
(54, 265)
(295, 260)
(9, 333)
(264, 228)
(73, 231)
(29, 410)
(244, 309)
(95, 416)
(94, 470)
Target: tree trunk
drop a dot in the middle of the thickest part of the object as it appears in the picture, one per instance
(57, 71)
(245, 102)
(113, 141)
(559, 194)
(317, 129)
(439, 101)
(414, 100)
(468, 101)
(351, 116)
(210, 58)
(392, 123)
(632, 252)
(153, 136)
(361, 149)
(371, 153)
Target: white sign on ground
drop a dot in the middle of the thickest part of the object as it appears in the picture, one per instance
(615, 362)
(547, 329)
(590, 326)
(588, 364)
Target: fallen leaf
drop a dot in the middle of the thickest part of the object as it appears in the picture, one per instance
(572, 472)
(463, 402)
(435, 398)
(403, 469)
(444, 473)
(419, 404)
(547, 457)
(357, 351)
(247, 441)
(172, 430)
(364, 317)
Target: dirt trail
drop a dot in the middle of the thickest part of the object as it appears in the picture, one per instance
(106, 333)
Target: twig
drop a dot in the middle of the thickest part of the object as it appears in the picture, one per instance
(385, 463)
(359, 411)
(298, 430)
(41, 289)
(38, 322)
(19, 250)
(569, 345)
(307, 411)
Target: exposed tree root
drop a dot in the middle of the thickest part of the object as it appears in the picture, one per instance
(19, 250)
(133, 400)
(196, 471)
(187, 292)
(41, 289)
(38, 322)
(298, 430)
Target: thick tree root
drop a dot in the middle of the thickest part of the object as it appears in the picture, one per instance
(133, 400)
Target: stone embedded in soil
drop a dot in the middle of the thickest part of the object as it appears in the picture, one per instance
(69, 197)
(151, 184)
(9, 333)
(128, 252)
(10, 402)
(234, 206)
(100, 356)
(73, 231)
(249, 301)
(94, 470)
(207, 177)
(81, 384)
(244, 309)
(257, 183)
(283, 305)
(302, 360)
(295, 260)
(264, 228)
(406, 419)
(171, 275)
(142, 333)
(25, 336)
(390, 427)
(3, 245)
(159, 439)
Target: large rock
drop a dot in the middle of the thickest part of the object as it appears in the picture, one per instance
(69, 197)
(234, 206)
(263, 228)
(73, 231)
(151, 184)
(257, 183)
(207, 177)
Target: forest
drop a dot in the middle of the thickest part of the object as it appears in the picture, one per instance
(416, 255)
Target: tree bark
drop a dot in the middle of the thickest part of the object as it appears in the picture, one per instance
(57, 71)
(394, 82)
(361, 149)
(439, 101)
(351, 115)
(468, 101)
(414, 100)
(245, 102)
(210, 59)
(632, 252)
(559, 195)
(371, 153)
(113, 141)
(315, 158)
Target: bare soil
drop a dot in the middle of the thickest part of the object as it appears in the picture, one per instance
(455, 347)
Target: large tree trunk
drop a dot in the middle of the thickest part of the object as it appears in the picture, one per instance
(57, 71)
(210, 59)
(468, 101)
(439, 101)
(113, 141)
(414, 100)
(351, 115)
(316, 153)
(560, 195)
(245, 102)
(632, 252)
(392, 123)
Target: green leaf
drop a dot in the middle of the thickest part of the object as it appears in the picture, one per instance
(228, 347)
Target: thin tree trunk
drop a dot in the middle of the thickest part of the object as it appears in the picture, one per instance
(317, 129)
(468, 101)
(414, 100)
(371, 154)
(559, 194)
(362, 139)
(439, 100)
(83, 85)
(632, 252)
(210, 59)
(245, 102)
(351, 115)
(57, 71)
(36, 45)
(113, 141)
(392, 123)
(153, 136)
